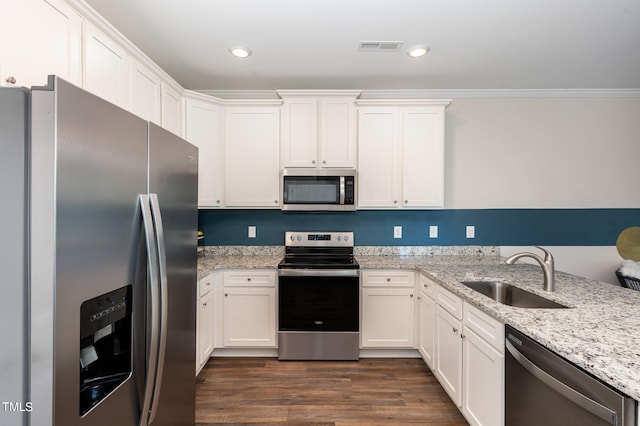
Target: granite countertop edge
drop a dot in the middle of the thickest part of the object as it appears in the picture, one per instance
(599, 333)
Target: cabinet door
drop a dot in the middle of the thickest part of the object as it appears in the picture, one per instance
(300, 132)
(378, 157)
(422, 157)
(202, 128)
(252, 146)
(249, 317)
(171, 109)
(387, 317)
(204, 335)
(449, 354)
(38, 38)
(427, 329)
(144, 95)
(483, 370)
(106, 67)
(337, 132)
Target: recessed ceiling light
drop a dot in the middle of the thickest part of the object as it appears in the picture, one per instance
(240, 51)
(417, 51)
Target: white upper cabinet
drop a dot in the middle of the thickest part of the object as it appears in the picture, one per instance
(144, 96)
(38, 38)
(106, 67)
(203, 128)
(422, 157)
(378, 157)
(171, 109)
(252, 154)
(318, 128)
(401, 153)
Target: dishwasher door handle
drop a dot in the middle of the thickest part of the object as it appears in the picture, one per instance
(568, 392)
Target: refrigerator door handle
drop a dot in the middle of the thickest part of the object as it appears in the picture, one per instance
(153, 272)
(164, 303)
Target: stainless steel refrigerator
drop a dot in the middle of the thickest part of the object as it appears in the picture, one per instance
(98, 228)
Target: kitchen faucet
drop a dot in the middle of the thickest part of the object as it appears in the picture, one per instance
(546, 265)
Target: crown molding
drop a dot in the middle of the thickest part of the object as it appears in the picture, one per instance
(499, 93)
(318, 93)
(241, 94)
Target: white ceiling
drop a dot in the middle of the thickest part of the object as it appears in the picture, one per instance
(312, 44)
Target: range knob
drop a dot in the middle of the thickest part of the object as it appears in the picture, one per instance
(292, 238)
(299, 238)
(340, 238)
(346, 238)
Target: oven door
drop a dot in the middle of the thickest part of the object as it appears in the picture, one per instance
(325, 300)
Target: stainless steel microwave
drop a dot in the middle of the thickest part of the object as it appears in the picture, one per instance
(318, 189)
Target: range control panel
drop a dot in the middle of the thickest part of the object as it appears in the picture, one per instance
(318, 239)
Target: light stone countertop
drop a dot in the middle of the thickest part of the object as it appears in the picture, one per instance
(600, 332)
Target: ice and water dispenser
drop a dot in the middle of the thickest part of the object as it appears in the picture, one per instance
(105, 345)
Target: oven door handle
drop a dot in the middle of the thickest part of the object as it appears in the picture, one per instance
(318, 272)
(568, 392)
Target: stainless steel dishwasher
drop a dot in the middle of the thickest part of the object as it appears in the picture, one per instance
(543, 388)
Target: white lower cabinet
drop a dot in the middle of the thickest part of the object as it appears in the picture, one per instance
(468, 354)
(249, 309)
(427, 323)
(449, 354)
(388, 312)
(204, 321)
(483, 378)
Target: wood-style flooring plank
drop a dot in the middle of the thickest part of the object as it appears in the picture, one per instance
(372, 391)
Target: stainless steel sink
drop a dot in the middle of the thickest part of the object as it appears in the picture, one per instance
(510, 295)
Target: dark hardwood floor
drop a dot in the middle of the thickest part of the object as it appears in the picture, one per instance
(371, 391)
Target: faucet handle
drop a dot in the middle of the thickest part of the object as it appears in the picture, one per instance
(548, 257)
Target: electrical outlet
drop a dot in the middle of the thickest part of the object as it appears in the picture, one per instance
(433, 231)
(252, 232)
(397, 232)
(471, 231)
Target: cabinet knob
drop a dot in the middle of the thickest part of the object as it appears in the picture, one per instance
(226, 295)
(455, 330)
(406, 201)
(248, 279)
(411, 295)
(388, 279)
(218, 201)
(425, 285)
(324, 161)
(204, 304)
(11, 79)
(395, 201)
(313, 161)
(462, 336)
(276, 201)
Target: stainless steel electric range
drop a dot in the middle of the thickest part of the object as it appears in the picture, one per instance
(319, 297)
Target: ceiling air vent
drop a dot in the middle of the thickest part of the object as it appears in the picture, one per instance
(379, 46)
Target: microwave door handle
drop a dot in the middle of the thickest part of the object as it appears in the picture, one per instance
(341, 189)
(571, 394)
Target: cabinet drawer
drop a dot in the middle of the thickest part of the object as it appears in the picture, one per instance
(428, 287)
(205, 285)
(261, 278)
(450, 302)
(485, 326)
(388, 278)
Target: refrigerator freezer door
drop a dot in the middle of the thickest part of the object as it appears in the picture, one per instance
(13, 260)
(173, 178)
(89, 161)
